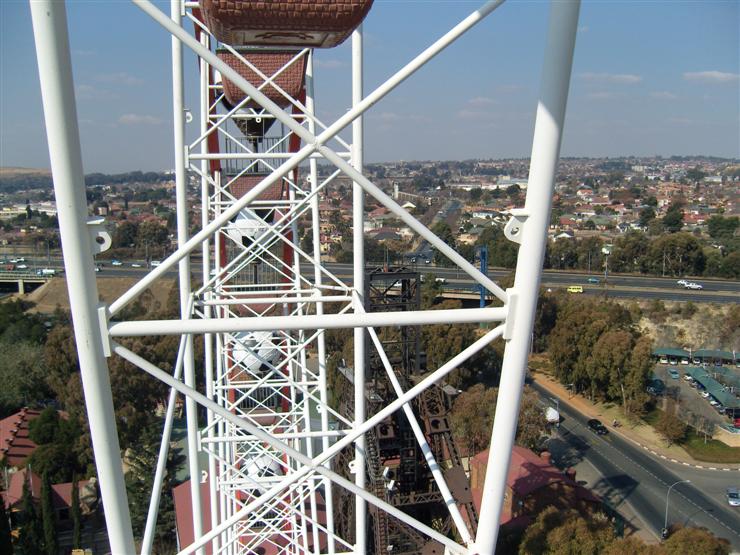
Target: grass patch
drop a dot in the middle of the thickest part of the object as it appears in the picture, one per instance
(711, 451)
(651, 418)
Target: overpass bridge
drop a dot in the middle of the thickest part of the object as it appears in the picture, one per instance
(22, 277)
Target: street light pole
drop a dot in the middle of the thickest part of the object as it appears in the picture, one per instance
(664, 532)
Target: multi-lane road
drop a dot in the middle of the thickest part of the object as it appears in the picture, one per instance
(626, 473)
(617, 286)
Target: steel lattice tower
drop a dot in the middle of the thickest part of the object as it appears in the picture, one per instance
(271, 438)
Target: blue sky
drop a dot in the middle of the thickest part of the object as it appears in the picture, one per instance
(648, 78)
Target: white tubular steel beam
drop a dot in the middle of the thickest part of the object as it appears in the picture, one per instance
(183, 223)
(543, 166)
(358, 284)
(325, 321)
(60, 112)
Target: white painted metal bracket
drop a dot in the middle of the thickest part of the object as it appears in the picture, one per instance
(101, 240)
(513, 296)
(104, 333)
(515, 226)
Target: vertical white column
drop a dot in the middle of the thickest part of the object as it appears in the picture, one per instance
(206, 268)
(543, 165)
(358, 282)
(183, 219)
(57, 92)
(321, 340)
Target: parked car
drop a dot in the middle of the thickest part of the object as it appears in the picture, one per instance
(663, 359)
(733, 497)
(672, 360)
(688, 378)
(593, 280)
(705, 394)
(696, 361)
(597, 427)
(155, 263)
(684, 360)
(695, 286)
(673, 373)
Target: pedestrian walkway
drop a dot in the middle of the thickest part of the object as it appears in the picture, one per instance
(641, 434)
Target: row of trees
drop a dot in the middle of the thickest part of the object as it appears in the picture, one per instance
(595, 348)
(556, 532)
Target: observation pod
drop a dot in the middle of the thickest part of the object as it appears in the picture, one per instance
(290, 466)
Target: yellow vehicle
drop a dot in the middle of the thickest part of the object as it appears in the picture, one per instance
(575, 289)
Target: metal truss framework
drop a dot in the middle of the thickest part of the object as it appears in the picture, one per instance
(270, 435)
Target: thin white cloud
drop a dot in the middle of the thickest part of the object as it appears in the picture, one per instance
(509, 88)
(84, 91)
(711, 76)
(583, 29)
(78, 52)
(482, 101)
(619, 78)
(479, 115)
(663, 95)
(603, 95)
(120, 78)
(394, 117)
(139, 119)
(328, 64)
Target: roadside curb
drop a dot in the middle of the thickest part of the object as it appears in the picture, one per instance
(659, 455)
(545, 383)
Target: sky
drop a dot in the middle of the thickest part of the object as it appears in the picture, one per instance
(649, 78)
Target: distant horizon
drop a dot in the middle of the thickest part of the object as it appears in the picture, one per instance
(416, 161)
(649, 78)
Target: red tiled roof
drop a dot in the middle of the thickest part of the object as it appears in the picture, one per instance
(61, 493)
(15, 445)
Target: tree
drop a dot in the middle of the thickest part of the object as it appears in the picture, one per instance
(124, 235)
(31, 532)
(691, 541)
(48, 516)
(720, 227)
(673, 219)
(560, 532)
(670, 426)
(76, 514)
(139, 480)
(472, 416)
(6, 542)
(444, 232)
(646, 215)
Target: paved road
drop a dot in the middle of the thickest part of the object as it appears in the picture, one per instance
(620, 286)
(630, 474)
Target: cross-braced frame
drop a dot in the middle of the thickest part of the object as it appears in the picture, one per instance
(270, 436)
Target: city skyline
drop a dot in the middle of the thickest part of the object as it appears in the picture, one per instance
(648, 79)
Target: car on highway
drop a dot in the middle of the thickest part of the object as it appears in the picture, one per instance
(597, 427)
(575, 289)
(155, 263)
(682, 282)
(21, 267)
(733, 497)
(694, 286)
(116, 263)
(593, 280)
(135, 265)
(673, 373)
(440, 280)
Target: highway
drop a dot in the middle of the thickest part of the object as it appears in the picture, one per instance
(630, 474)
(619, 286)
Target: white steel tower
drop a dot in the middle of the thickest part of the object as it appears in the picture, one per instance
(269, 432)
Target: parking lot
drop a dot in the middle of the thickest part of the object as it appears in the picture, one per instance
(689, 398)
